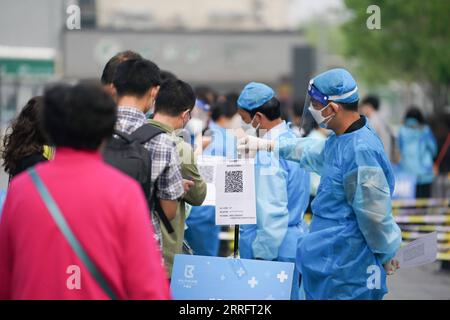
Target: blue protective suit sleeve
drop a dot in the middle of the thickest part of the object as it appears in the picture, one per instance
(431, 142)
(368, 192)
(271, 206)
(309, 152)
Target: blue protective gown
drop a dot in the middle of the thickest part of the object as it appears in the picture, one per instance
(202, 233)
(417, 149)
(352, 232)
(282, 195)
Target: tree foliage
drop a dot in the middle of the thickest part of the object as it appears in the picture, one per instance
(413, 43)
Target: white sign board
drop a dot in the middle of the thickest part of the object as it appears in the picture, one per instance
(235, 192)
(421, 251)
(207, 165)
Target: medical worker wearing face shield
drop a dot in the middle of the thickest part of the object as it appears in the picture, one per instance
(352, 233)
(282, 186)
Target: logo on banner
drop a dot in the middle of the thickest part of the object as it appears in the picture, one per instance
(187, 280)
(189, 271)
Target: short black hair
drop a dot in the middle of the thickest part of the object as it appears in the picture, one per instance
(271, 109)
(225, 109)
(415, 113)
(174, 97)
(79, 116)
(232, 98)
(372, 100)
(167, 75)
(135, 77)
(111, 65)
(206, 94)
(297, 108)
(352, 106)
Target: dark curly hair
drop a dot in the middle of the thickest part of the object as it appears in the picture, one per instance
(24, 136)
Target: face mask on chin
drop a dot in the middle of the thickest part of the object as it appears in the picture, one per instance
(149, 114)
(151, 109)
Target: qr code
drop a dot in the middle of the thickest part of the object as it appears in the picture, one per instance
(207, 173)
(233, 181)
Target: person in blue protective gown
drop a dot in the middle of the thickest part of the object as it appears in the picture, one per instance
(282, 186)
(353, 236)
(418, 147)
(202, 233)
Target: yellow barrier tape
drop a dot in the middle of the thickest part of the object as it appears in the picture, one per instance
(423, 219)
(420, 203)
(414, 235)
(426, 228)
(443, 256)
(421, 211)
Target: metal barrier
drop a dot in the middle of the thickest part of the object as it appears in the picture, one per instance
(414, 217)
(418, 216)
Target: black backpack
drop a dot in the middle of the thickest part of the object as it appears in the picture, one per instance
(127, 153)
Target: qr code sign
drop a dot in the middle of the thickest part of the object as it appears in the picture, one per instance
(233, 181)
(207, 173)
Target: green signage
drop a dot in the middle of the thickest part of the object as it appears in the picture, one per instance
(27, 67)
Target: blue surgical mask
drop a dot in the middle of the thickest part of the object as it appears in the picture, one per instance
(149, 114)
(411, 122)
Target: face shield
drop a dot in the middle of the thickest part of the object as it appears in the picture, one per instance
(314, 109)
(312, 118)
(201, 112)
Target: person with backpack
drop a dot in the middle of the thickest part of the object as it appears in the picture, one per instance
(172, 111)
(74, 227)
(137, 82)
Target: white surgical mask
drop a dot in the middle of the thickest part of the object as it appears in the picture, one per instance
(317, 115)
(259, 124)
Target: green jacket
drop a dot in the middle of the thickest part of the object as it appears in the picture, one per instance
(173, 243)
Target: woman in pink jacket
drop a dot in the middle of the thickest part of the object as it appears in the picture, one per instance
(105, 210)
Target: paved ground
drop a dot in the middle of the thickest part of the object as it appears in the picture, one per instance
(425, 282)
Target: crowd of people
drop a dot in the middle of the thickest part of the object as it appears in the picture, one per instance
(105, 186)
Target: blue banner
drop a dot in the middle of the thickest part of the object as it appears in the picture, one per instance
(216, 278)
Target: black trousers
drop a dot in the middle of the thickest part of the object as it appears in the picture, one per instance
(423, 190)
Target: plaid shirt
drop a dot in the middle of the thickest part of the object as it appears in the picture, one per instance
(166, 171)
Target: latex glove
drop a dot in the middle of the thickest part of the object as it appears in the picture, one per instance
(250, 145)
(391, 266)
